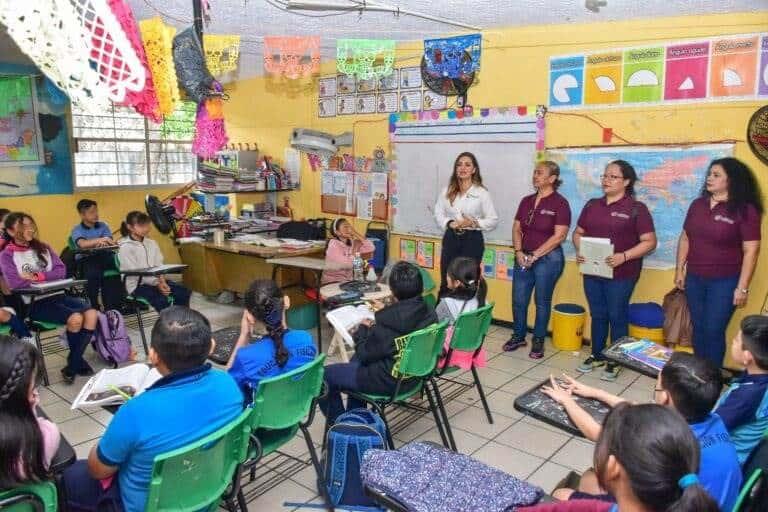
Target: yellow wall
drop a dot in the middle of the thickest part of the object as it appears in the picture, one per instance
(56, 214)
(515, 72)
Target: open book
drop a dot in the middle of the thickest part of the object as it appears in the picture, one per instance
(112, 387)
(595, 251)
(345, 319)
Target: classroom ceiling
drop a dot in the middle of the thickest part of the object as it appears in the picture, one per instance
(253, 19)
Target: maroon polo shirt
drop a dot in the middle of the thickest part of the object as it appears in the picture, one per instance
(715, 237)
(539, 226)
(622, 222)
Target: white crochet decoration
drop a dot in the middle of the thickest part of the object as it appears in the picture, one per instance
(63, 37)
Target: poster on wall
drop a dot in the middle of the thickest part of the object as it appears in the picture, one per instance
(410, 78)
(434, 101)
(345, 84)
(327, 86)
(368, 85)
(365, 104)
(425, 254)
(505, 264)
(713, 69)
(371, 190)
(326, 107)
(345, 105)
(337, 192)
(53, 174)
(408, 250)
(489, 263)
(410, 101)
(20, 137)
(386, 102)
(389, 82)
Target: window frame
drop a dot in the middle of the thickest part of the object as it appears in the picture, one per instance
(146, 141)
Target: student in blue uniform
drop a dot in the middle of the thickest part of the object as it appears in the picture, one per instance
(279, 351)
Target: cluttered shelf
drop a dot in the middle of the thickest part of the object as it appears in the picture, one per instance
(230, 172)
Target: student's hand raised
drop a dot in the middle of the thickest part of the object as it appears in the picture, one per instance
(556, 392)
(246, 327)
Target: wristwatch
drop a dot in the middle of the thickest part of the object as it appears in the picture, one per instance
(743, 290)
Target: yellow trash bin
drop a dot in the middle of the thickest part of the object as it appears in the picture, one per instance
(655, 334)
(568, 326)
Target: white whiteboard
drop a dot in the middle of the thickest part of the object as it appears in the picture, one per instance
(422, 169)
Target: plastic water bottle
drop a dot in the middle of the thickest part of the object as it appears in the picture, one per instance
(371, 276)
(357, 267)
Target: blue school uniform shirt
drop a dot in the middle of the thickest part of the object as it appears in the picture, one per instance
(257, 361)
(744, 410)
(177, 410)
(719, 468)
(83, 232)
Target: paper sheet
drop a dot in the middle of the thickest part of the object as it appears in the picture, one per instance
(595, 251)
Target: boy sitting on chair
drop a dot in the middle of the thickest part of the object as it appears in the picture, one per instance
(370, 370)
(190, 401)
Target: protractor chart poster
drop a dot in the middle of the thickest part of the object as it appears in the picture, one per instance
(686, 74)
(566, 81)
(643, 75)
(602, 83)
(734, 65)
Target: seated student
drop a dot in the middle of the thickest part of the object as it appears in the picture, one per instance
(690, 385)
(27, 441)
(137, 251)
(26, 260)
(280, 351)
(647, 458)
(341, 249)
(370, 370)
(189, 402)
(744, 405)
(8, 303)
(88, 234)
(466, 292)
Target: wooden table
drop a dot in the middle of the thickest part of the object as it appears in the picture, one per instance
(301, 264)
(337, 341)
(231, 265)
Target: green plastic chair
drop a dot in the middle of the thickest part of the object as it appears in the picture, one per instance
(281, 406)
(429, 283)
(753, 496)
(469, 331)
(416, 360)
(40, 497)
(196, 476)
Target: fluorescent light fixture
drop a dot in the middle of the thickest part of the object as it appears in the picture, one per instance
(368, 5)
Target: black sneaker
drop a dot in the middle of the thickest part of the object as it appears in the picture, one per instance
(514, 343)
(69, 377)
(611, 372)
(537, 349)
(85, 371)
(590, 364)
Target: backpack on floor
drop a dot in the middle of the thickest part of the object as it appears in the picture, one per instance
(110, 340)
(352, 434)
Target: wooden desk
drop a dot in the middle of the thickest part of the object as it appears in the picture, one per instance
(231, 265)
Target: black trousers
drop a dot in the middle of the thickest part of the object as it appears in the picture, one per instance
(468, 243)
(111, 287)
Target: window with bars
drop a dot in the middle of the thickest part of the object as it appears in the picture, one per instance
(122, 148)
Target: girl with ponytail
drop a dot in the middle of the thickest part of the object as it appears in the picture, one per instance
(466, 292)
(266, 347)
(27, 442)
(647, 458)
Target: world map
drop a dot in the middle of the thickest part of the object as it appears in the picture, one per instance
(669, 179)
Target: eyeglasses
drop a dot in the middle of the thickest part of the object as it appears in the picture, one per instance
(609, 177)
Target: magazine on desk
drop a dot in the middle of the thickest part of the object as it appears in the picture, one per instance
(648, 352)
(346, 318)
(113, 387)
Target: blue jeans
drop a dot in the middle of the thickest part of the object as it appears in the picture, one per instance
(340, 377)
(710, 301)
(542, 276)
(608, 306)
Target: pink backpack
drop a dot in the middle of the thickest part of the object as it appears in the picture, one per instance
(110, 340)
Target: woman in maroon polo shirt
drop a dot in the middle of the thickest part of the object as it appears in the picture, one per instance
(717, 252)
(627, 222)
(541, 225)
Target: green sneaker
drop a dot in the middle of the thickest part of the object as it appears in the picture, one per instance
(590, 364)
(611, 372)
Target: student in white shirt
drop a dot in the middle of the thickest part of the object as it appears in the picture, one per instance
(464, 209)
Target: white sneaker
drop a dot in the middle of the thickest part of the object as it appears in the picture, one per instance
(30, 340)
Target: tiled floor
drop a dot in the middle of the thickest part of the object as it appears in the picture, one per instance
(521, 446)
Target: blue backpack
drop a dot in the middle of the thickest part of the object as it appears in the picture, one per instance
(352, 434)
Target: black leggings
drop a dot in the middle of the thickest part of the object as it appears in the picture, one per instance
(469, 244)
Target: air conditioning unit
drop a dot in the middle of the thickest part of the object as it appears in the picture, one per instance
(313, 141)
